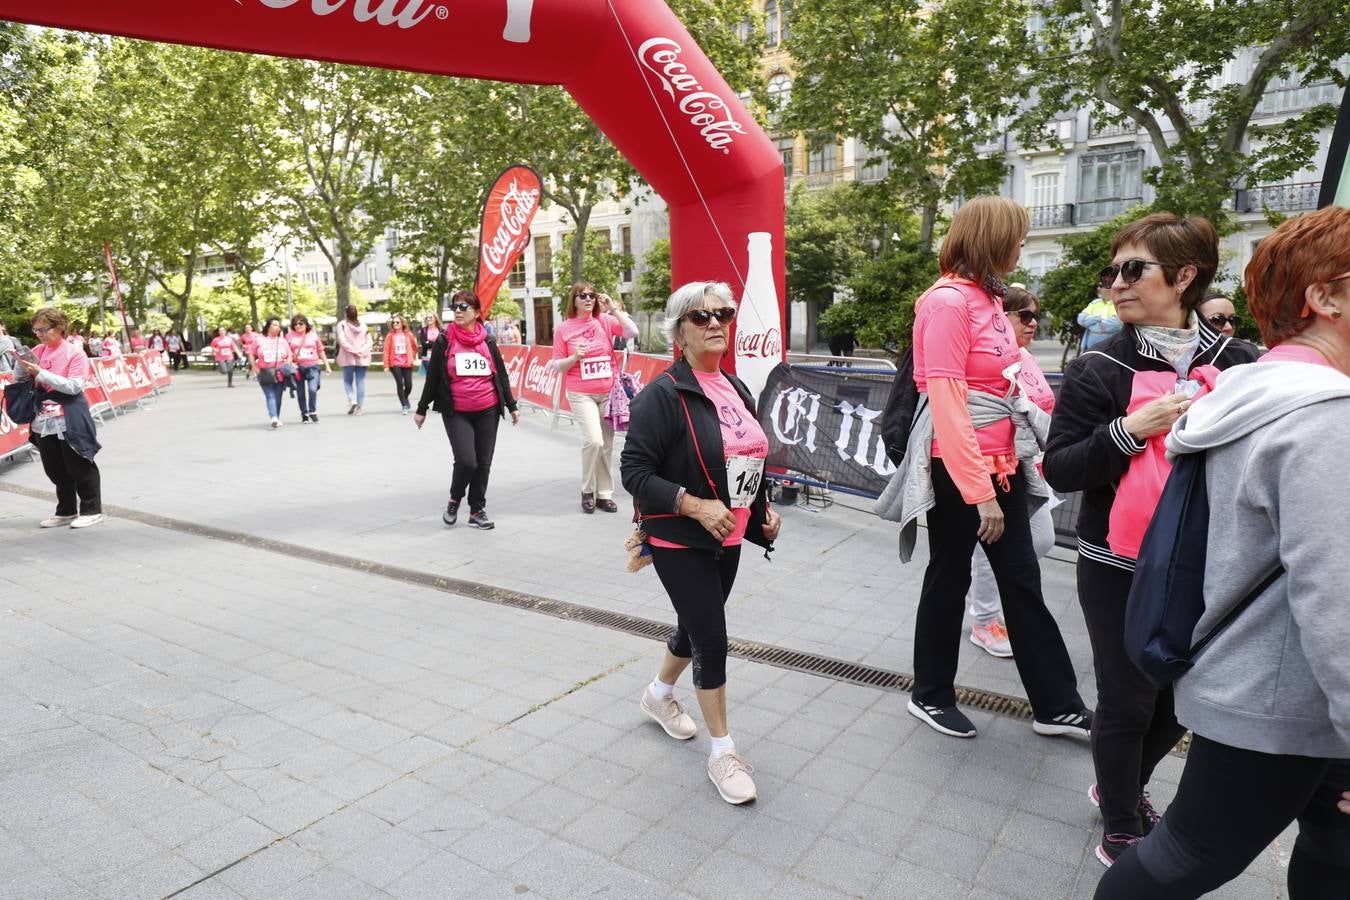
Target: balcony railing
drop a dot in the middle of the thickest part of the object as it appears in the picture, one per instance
(1058, 216)
(1091, 212)
(1282, 101)
(1278, 197)
(1104, 129)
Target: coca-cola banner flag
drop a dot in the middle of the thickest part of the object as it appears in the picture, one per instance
(824, 424)
(510, 207)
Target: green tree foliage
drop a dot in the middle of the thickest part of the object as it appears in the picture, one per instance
(824, 241)
(602, 267)
(1072, 284)
(653, 291)
(1162, 66)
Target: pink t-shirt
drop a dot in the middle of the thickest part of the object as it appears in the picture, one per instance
(963, 334)
(743, 441)
(137, 343)
(306, 348)
(249, 339)
(1294, 353)
(1033, 383)
(400, 349)
(64, 361)
(469, 366)
(223, 348)
(112, 347)
(593, 373)
(271, 351)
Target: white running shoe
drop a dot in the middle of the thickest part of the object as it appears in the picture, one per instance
(56, 521)
(86, 521)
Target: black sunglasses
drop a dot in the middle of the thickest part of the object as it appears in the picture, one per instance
(460, 307)
(587, 295)
(701, 317)
(1219, 319)
(1131, 270)
(1028, 316)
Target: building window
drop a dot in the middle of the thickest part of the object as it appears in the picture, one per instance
(517, 277)
(1109, 184)
(821, 158)
(1045, 190)
(771, 23)
(872, 164)
(1041, 264)
(783, 16)
(787, 148)
(606, 238)
(780, 95)
(543, 259)
(626, 237)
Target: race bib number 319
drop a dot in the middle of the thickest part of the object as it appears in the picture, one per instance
(470, 365)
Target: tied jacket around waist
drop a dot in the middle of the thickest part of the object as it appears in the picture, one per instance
(436, 389)
(660, 457)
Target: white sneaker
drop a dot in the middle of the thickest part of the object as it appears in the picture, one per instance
(668, 714)
(86, 521)
(991, 638)
(276, 423)
(56, 521)
(731, 776)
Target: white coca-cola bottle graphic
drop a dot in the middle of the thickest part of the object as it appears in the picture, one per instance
(759, 326)
(518, 14)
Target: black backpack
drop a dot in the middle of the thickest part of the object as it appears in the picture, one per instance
(901, 408)
(1167, 593)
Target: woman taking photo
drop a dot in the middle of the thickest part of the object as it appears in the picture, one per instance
(354, 347)
(1268, 699)
(400, 355)
(225, 352)
(583, 349)
(308, 352)
(270, 353)
(987, 630)
(427, 335)
(978, 482)
(63, 429)
(466, 383)
(1115, 407)
(694, 463)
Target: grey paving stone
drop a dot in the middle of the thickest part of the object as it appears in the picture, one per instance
(729, 874)
(944, 850)
(1016, 874)
(271, 871)
(227, 843)
(844, 867)
(908, 880)
(971, 816)
(604, 829)
(446, 820)
(498, 843)
(400, 799)
(1045, 838)
(341, 833)
(443, 875)
(773, 842)
(329, 883)
(41, 884)
(387, 857)
(158, 876)
(664, 855)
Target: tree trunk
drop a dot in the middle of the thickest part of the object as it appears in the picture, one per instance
(342, 281)
(927, 224)
(443, 279)
(582, 216)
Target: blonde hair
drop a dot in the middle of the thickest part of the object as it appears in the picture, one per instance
(985, 235)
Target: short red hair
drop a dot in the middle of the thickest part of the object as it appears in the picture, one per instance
(1301, 252)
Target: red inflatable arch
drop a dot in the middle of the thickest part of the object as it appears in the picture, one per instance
(629, 63)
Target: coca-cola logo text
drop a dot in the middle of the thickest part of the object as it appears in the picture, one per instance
(114, 376)
(540, 378)
(707, 112)
(516, 209)
(515, 368)
(759, 344)
(384, 12)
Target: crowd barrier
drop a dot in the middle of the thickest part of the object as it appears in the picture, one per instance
(534, 383)
(116, 382)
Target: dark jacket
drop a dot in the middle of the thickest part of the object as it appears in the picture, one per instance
(436, 389)
(659, 458)
(1088, 448)
(79, 423)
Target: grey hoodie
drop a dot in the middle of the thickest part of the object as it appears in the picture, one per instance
(1278, 679)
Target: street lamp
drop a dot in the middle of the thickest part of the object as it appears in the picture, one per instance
(48, 291)
(876, 245)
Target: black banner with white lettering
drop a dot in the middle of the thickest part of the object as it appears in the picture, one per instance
(824, 423)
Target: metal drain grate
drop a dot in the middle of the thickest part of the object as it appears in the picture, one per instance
(754, 651)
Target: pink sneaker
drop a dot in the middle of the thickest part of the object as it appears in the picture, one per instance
(992, 639)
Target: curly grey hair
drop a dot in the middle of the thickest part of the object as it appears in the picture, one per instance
(688, 297)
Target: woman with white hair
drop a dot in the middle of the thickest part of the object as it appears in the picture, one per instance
(694, 463)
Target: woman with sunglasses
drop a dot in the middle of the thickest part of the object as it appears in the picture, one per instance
(400, 352)
(1268, 700)
(308, 352)
(583, 349)
(427, 335)
(467, 384)
(987, 630)
(694, 463)
(271, 352)
(1117, 404)
(1219, 312)
(970, 468)
(354, 351)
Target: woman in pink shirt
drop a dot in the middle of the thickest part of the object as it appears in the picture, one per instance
(963, 343)
(583, 349)
(137, 342)
(466, 383)
(269, 354)
(308, 352)
(224, 352)
(400, 355)
(354, 351)
(63, 430)
(426, 336)
(248, 339)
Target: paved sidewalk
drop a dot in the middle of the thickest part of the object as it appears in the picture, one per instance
(201, 718)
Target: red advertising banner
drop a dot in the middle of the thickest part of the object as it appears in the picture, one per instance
(12, 435)
(141, 380)
(94, 393)
(538, 381)
(644, 367)
(515, 357)
(508, 211)
(116, 380)
(154, 361)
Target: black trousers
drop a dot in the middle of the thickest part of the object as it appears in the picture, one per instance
(473, 439)
(699, 582)
(402, 384)
(1230, 805)
(74, 477)
(1042, 659)
(1135, 724)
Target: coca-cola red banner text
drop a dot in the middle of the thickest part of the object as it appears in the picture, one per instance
(142, 382)
(93, 389)
(115, 377)
(630, 64)
(154, 361)
(515, 356)
(644, 367)
(12, 435)
(539, 381)
(508, 211)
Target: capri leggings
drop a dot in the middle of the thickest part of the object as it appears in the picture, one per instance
(699, 582)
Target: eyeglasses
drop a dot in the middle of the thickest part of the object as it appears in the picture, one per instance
(40, 330)
(1131, 270)
(587, 295)
(1218, 320)
(1338, 278)
(461, 307)
(1028, 316)
(701, 317)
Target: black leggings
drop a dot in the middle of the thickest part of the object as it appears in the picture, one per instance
(1135, 725)
(1041, 657)
(402, 384)
(73, 475)
(473, 438)
(699, 582)
(1230, 805)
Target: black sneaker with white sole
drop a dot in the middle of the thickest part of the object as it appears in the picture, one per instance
(943, 719)
(1074, 724)
(451, 514)
(479, 519)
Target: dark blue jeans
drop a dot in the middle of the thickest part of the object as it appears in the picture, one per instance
(308, 390)
(272, 393)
